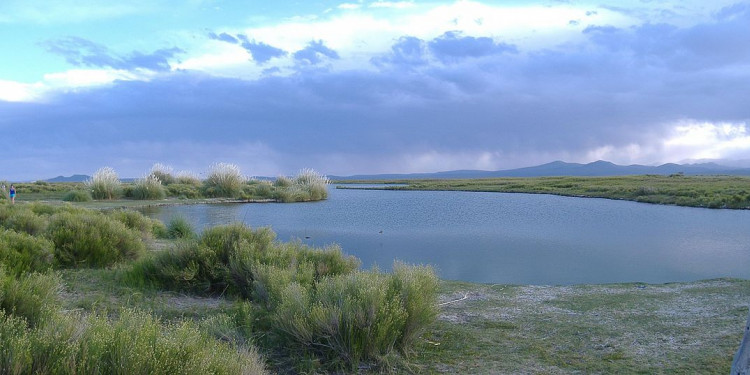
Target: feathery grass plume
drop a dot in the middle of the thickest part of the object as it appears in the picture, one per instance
(224, 180)
(148, 187)
(77, 196)
(163, 173)
(104, 184)
(22, 253)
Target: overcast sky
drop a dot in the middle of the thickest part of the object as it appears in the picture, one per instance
(368, 86)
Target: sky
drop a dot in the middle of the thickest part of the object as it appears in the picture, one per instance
(368, 86)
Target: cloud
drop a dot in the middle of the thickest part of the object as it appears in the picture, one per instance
(408, 51)
(453, 46)
(224, 37)
(314, 53)
(82, 52)
(261, 52)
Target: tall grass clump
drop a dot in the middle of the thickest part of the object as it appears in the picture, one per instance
(33, 296)
(90, 239)
(22, 253)
(148, 187)
(224, 180)
(104, 184)
(179, 227)
(187, 178)
(308, 185)
(77, 196)
(163, 173)
(362, 316)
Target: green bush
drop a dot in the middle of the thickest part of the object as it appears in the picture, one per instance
(187, 191)
(92, 240)
(32, 296)
(22, 253)
(282, 181)
(148, 187)
(21, 219)
(362, 316)
(104, 184)
(137, 221)
(163, 173)
(187, 178)
(77, 196)
(134, 343)
(224, 180)
(179, 227)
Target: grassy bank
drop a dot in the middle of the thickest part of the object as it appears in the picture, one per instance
(694, 191)
(507, 329)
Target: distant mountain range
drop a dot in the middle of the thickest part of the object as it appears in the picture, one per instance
(559, 168)
(73, 178)
(556, 168)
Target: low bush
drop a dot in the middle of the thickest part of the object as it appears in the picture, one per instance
(362, 316)
(22, 253)
(104, 184)
(179, 227)
(22, 219)
(33, 297)
(185, 191)
(224, 180)
(187, 178)
(92, 239)
(137, 221)
(77, 196)
(148, 187)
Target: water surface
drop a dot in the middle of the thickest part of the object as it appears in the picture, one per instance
(506, 238)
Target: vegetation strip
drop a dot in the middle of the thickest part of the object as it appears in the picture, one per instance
(677, 189)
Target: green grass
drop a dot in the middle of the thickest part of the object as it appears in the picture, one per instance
(695, 191)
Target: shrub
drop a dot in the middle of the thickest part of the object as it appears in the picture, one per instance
(148, 187)
(137, 221)
(224, 180)
(361, 316)
(22, 219)
(263, 189)
(282, 181)
(104, 184)
(92, 240)
(163, 173)
(179, 227)
(77, 196)
(31, 296)
(181, 190)
(22, 253)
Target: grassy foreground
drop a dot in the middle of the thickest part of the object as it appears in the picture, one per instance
(507, 329)
(693, 191)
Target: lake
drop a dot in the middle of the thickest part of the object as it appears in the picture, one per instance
(505, 238)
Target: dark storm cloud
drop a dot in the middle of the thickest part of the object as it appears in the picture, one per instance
(314, 53)
(82, 52)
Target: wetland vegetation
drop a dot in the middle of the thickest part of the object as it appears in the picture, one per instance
(86, 290)
(676, 189)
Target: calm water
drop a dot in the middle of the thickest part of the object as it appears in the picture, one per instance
(507, 238)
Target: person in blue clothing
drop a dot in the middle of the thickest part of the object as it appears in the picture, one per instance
(12, 194)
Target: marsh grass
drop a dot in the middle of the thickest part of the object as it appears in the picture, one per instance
(695, 191)
(179, 227)
(77, 196)
(224, 180)
(163, 173)
(104, 184)
(148, 188)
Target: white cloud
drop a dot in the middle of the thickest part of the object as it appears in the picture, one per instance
(19, 92)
